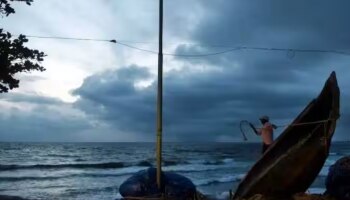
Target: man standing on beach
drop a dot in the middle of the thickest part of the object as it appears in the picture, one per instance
(266, 132)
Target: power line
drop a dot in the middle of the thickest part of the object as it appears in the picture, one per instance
(86, 39)
(204, 55)
(178, 55)
(297, 50)
(231, 49)
(68, 38)
(243, 48)
(137, 48)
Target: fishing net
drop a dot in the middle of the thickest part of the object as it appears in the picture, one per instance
(248, 130)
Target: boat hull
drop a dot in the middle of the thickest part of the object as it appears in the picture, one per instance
(297, 156)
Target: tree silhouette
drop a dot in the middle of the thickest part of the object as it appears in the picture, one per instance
(14, 56)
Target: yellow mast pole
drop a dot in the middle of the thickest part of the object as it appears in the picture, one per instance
(160, 97)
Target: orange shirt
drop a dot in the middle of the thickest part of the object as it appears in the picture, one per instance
(267, 133)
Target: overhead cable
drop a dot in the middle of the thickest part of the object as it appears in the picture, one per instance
(231, 49)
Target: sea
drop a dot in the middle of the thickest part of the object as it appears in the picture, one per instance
(96, 170)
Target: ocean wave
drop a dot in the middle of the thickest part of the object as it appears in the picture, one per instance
(222, 195)
(26, 178)
(170, 166)
(225, 179)
(195, 168)
(79, 191)
(107, 165)
(115, 173)
(79, 160)
(213, 162)
(192, 151)
(125, 168)
(147, 163)
(228, 160)
(144, 163)
(110, 170)
(62, 156)
(205, 165)
(172, 162)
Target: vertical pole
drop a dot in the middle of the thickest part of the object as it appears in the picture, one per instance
(160, 98)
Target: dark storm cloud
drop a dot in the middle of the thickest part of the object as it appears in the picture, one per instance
(207, 105)
(27, 98)
(112, 96)
(27, 117)
(319, 23)
(276, 78)
(197, 106)
(280, 24)
(42, 124)
(200, 104)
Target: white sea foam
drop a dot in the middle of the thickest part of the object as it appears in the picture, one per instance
(213, 162)
(324, 171)
(316, 190)
(222, 195)
(228, 160)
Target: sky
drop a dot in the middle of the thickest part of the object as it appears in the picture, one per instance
(105, 92)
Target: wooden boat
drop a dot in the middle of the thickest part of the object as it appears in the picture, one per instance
(295, 159)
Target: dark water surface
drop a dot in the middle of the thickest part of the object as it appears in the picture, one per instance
(95, 170)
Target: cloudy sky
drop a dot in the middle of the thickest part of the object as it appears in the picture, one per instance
(100, 91)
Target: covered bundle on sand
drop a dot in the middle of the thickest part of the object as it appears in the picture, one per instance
(143, 186)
